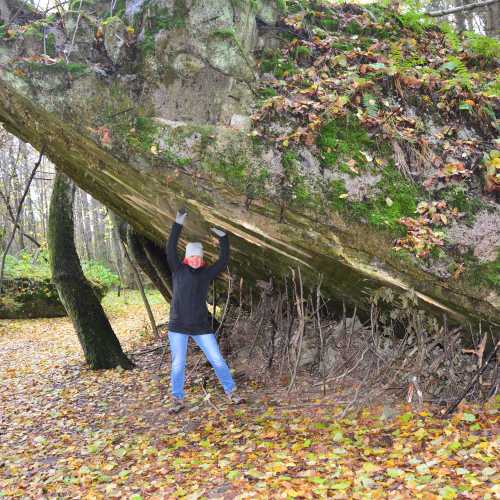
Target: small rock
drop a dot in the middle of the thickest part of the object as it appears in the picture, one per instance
(132, 7)
(115, 36)
(267, 13)
(309, 162)
(240, 122)
(465, 134)
(389, 412)
(187, 65)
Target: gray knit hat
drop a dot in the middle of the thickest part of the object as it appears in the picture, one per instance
(194, 248)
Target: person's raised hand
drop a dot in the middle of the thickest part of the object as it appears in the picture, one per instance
(181, 216)
(217, 232)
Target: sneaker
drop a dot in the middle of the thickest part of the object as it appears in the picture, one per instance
(176, 406)
(235, 399)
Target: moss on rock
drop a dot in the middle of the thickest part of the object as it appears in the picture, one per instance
(35, 298)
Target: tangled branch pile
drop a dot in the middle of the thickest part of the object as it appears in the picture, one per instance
(398, 351)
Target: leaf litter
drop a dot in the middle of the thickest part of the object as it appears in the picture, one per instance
(68, 432)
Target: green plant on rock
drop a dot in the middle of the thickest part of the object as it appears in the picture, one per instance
(336, 195)
(491, 272)
(143, 134)
(302, 51)
(342, 46)
(483, 46)
(230, 35)
(295, 189)
(329, 24)
(294, 6)
(461, 77)
(50, 44)
(415, 21)
(282, 6)
(241, 4)
(266, 92)
(119, 8)
(241, 172)
(224, 33)
(343, 138)
(481, 273)
(370, 104)
(457, 196)
(402, 61)
(451, 36)
(161, 21)
(109, 20)
(37, 27)
(75, 69)
(379, 10)
(397, 198)
(353, 28)
(255, 187)
(231, 166)
(273, 62)
(492, 89)
(85, 4)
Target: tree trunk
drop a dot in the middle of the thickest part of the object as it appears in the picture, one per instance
(94, 224)
(100, 345)
(44, 210)
(116, 252)
(87, 227)
(460, 16)
(30, 216)
(493, 20)
(80, 240)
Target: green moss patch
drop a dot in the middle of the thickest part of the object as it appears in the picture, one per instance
(143, 134)
(486, 273)
(273, 62)
(457, 196)
(396, 198)
(297, 189)
(36, 298)
(74, 69)
(161, 19)
(343, 138)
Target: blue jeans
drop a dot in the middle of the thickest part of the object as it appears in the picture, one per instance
(208, 344)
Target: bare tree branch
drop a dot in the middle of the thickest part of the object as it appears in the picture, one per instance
(18, 215)
(469, 6)
(13, 219)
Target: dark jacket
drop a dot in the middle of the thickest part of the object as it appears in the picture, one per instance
(188, 310)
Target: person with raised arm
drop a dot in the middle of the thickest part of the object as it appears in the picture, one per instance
(189, 316)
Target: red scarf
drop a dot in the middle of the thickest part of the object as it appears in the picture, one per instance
(186, 261)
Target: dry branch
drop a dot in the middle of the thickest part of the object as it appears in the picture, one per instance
(454, 10)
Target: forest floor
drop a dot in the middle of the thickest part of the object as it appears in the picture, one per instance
(68, 432)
